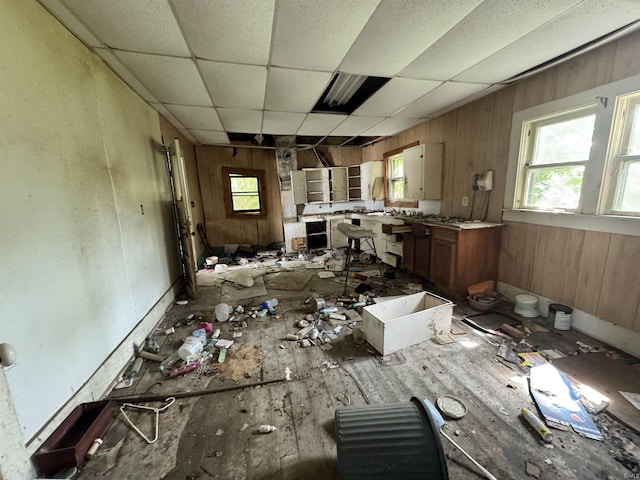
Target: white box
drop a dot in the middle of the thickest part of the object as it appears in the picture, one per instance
(396, 324)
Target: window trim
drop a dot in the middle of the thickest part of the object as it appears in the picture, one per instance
(591, 215)
(228, 200)
(385, 158)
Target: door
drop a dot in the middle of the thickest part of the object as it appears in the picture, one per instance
(443, 257)
(299, 187)
(408, 249)
(422, 256)
(185, 217)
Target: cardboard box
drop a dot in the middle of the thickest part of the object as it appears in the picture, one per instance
(396, 324)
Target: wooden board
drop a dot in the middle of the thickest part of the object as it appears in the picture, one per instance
(295, 280)
(607, 376)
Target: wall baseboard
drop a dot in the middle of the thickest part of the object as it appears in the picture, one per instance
(626, 340)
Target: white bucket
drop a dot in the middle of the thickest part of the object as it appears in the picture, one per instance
(526, 305)
(560, 316)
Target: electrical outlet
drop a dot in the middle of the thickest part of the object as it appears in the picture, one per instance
(465, 201)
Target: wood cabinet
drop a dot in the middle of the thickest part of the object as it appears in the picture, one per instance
(422, 167)
(452, 259)
(417, 250)
(460, 258)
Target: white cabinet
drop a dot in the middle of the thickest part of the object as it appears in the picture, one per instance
(354, 182)
(319, 185)
(423, 172)
(371, 180)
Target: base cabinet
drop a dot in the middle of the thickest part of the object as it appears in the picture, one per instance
(452, 259)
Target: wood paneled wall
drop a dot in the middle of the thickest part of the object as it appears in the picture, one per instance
(221, 230)
(592, 271)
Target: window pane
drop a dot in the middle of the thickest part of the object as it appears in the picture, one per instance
(243, 184)
(397, 167)
(633, 147)
(628, 198)
(245, 202)
(397, 189)
(554, 187)
(567, 141)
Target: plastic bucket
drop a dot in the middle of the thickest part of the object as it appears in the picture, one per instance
(560, 316)
(383, 442)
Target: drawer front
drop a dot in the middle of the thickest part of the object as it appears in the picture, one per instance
(420, 230)
(445, 234)
(394, 247)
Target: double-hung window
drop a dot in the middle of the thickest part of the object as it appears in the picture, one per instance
(624, 158)
(555, 150)
(396, 177)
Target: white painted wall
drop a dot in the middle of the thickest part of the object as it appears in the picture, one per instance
(80, 264)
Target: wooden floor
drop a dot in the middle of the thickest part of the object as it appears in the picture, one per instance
(216, 435)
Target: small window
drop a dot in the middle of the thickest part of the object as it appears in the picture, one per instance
(556, 150)
(244, 192)
(624, 163)
(396, 177)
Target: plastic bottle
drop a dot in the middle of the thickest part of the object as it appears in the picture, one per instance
(222, 312)
(191, 346)
(267, 428)
(169, 361)
(537, 425)
(270, 304)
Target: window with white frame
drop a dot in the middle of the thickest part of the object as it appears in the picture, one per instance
(396, 177)
(575, 161)
(624, 158)
(555, 150)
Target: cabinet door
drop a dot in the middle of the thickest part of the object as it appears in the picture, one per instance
(432, 164)
(338, 190)
(299, 187)
(413, 160)
(408, 256)
(422, 256)
(369, 172)
(442, 264)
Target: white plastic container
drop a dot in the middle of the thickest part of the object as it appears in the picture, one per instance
(222, 312)
(411, 319)
(191, 346)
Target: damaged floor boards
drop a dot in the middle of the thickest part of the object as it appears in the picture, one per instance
(215, 436)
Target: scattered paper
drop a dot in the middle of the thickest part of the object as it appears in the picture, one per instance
(532, 359)
(326, 274)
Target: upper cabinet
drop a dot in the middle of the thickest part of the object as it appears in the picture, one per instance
(423, 172)
(372, 180)
(319, 185)
(354, 182)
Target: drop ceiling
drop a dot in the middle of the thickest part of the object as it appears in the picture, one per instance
(222, 70)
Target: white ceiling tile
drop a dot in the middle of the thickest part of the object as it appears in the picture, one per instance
(141, 25)
(238, 31)
(490, 27)
(169, 79)
(394, 95)
(439, 98)
(207, 137)
(320, 123)
(196, 118)
(282, 123)
(294, 90)
(241, 121)
(391, 126)
(188, 135)
(124, 73)
(233, 85)
(399, 31)
(354, 125)
(469, 99)
(162, 110)
(586, 22)
(69, 20)
(317, 35)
